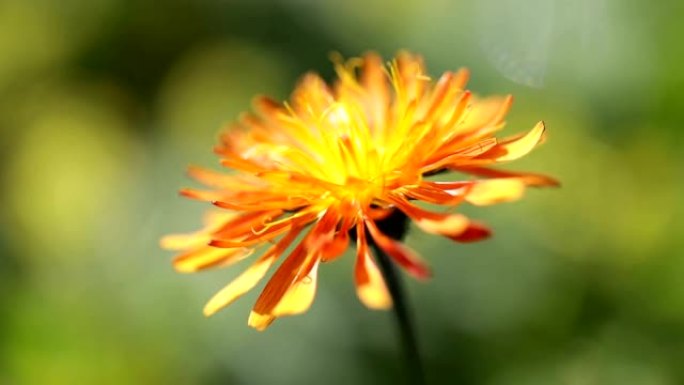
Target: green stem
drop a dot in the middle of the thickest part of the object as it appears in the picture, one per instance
(404, 322)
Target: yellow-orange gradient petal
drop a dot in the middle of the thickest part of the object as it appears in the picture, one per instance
(342, 158)
(370, 285)
(300, 295)
(292, 288)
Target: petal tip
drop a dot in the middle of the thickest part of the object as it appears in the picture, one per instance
(260, 322)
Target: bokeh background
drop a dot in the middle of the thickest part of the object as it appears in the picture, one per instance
(103, 103)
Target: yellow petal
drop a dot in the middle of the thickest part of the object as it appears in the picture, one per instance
(185, 241)
(239, 286)
(491, 191)
(206, 257)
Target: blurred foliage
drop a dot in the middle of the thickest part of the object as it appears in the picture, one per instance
(103, 103)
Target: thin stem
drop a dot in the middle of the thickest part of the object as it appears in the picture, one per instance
(404, 322)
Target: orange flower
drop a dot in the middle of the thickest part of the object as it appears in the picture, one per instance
(335, 161)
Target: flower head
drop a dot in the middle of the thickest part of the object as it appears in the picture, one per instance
(332, 163)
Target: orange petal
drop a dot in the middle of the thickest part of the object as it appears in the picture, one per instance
(311, 96)
(460, 155)
(274, 204)
(436, 195)
(370, 285)
(244, 224)
(340, 241)
(401, 254)
(249, 278)
(202, 195)
(453, 188)
(248, 242)
(491, 191)
(481, 118)
(375, 83)
(448, 225)
(214, 220)
(453, 226)
(263, 232)
(217, 179)
(207, 256)
(438, 98)
(336, 247)
(475, 232)
(324, 230)
(254, 232)
(529, 179)
(237, 163)
(267, 107)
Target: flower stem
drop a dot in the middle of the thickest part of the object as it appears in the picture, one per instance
(401, 312)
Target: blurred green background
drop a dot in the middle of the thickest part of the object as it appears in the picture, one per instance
(103, 103)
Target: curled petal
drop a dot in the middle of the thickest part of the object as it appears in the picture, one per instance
(516, 147)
